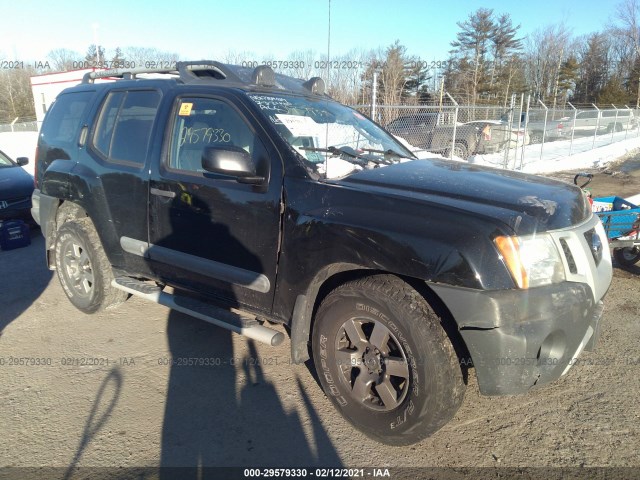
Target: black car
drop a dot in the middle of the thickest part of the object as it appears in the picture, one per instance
(16, 187)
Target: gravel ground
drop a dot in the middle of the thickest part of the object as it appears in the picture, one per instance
(97, 391)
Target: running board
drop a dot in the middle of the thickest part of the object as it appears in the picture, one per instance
(217, 316)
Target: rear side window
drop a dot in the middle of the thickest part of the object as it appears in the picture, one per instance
(62, 124)
(614, 113)
(124, 126)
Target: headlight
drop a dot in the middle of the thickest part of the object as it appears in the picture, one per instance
(533, 260)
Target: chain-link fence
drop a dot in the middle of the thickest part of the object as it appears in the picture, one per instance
(511, 137)
(32, 126)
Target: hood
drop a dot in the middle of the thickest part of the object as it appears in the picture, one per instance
(527, 203)
(15, 182)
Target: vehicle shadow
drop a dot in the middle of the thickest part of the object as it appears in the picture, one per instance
(227, 413)
(220, 409)
(25, 276)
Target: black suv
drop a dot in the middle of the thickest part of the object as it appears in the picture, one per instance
(258, 198)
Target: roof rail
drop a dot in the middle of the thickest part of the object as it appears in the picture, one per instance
(204, 70)
(187, 71)
(125, 74)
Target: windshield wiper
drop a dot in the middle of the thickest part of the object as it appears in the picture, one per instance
(387, 153)
(345, 153)
(351, 155)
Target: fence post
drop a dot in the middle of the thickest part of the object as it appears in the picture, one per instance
(573, 127)
(515, 152)
(544, 126)
(507, 150)
(626, 130)
(373, 95)
(615, 122)
(455, 124)
(526, 124)
(593, 145)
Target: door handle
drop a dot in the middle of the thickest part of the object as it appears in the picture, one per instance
(163, 193)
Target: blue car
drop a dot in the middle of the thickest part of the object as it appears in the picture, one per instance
(16, 187)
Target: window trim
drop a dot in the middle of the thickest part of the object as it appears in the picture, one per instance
(165, 165)
(94, 129)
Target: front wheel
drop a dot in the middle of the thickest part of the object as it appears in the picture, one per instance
(385, 361)
(83, 268)
(627, 256)
(459, 150)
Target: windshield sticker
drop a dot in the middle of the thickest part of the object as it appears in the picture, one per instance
(185, 109)
(299, 126)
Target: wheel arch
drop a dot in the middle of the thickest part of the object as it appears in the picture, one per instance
(331, 277)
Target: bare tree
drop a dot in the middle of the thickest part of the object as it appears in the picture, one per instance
(145, 57)
(63, 59)
(546, 49)
(16, 98)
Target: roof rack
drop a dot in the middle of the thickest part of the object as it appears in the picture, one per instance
(205, 70)
(186, 72)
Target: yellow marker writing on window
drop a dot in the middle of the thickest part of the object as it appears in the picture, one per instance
(185, 109)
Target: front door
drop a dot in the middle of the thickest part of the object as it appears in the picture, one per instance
(207, 231)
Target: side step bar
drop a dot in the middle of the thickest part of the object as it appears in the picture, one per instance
(217, 316)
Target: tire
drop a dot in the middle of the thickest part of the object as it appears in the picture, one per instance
(83, 268)
(459, 150)
(397, 330)
(627, 256)
(535, 137)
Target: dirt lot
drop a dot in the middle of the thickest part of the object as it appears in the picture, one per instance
(78, 391)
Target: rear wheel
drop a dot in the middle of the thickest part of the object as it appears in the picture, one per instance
(627, 256)
(536, 137)
(83, 268)
(385, 361)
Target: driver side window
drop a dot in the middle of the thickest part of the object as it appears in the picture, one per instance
(206, 122)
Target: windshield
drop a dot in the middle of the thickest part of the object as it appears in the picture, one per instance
(4, 161)
(332, 139)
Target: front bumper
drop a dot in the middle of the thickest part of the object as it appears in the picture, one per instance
(519, 339)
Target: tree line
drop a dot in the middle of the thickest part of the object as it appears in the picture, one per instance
(489, 61)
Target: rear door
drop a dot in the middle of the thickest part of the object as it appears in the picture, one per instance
(207, 231)
(117, 153)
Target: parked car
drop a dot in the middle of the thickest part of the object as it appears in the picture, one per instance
(16, 187)
(495, 136)
(588, 122)
(433, 132)
(269, 202)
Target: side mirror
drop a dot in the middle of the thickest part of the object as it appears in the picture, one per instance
(22, 161)
(232, 161)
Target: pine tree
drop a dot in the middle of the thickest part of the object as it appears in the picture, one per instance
(567, 78)
(473, 42)
(93, 58)
(613, 93)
